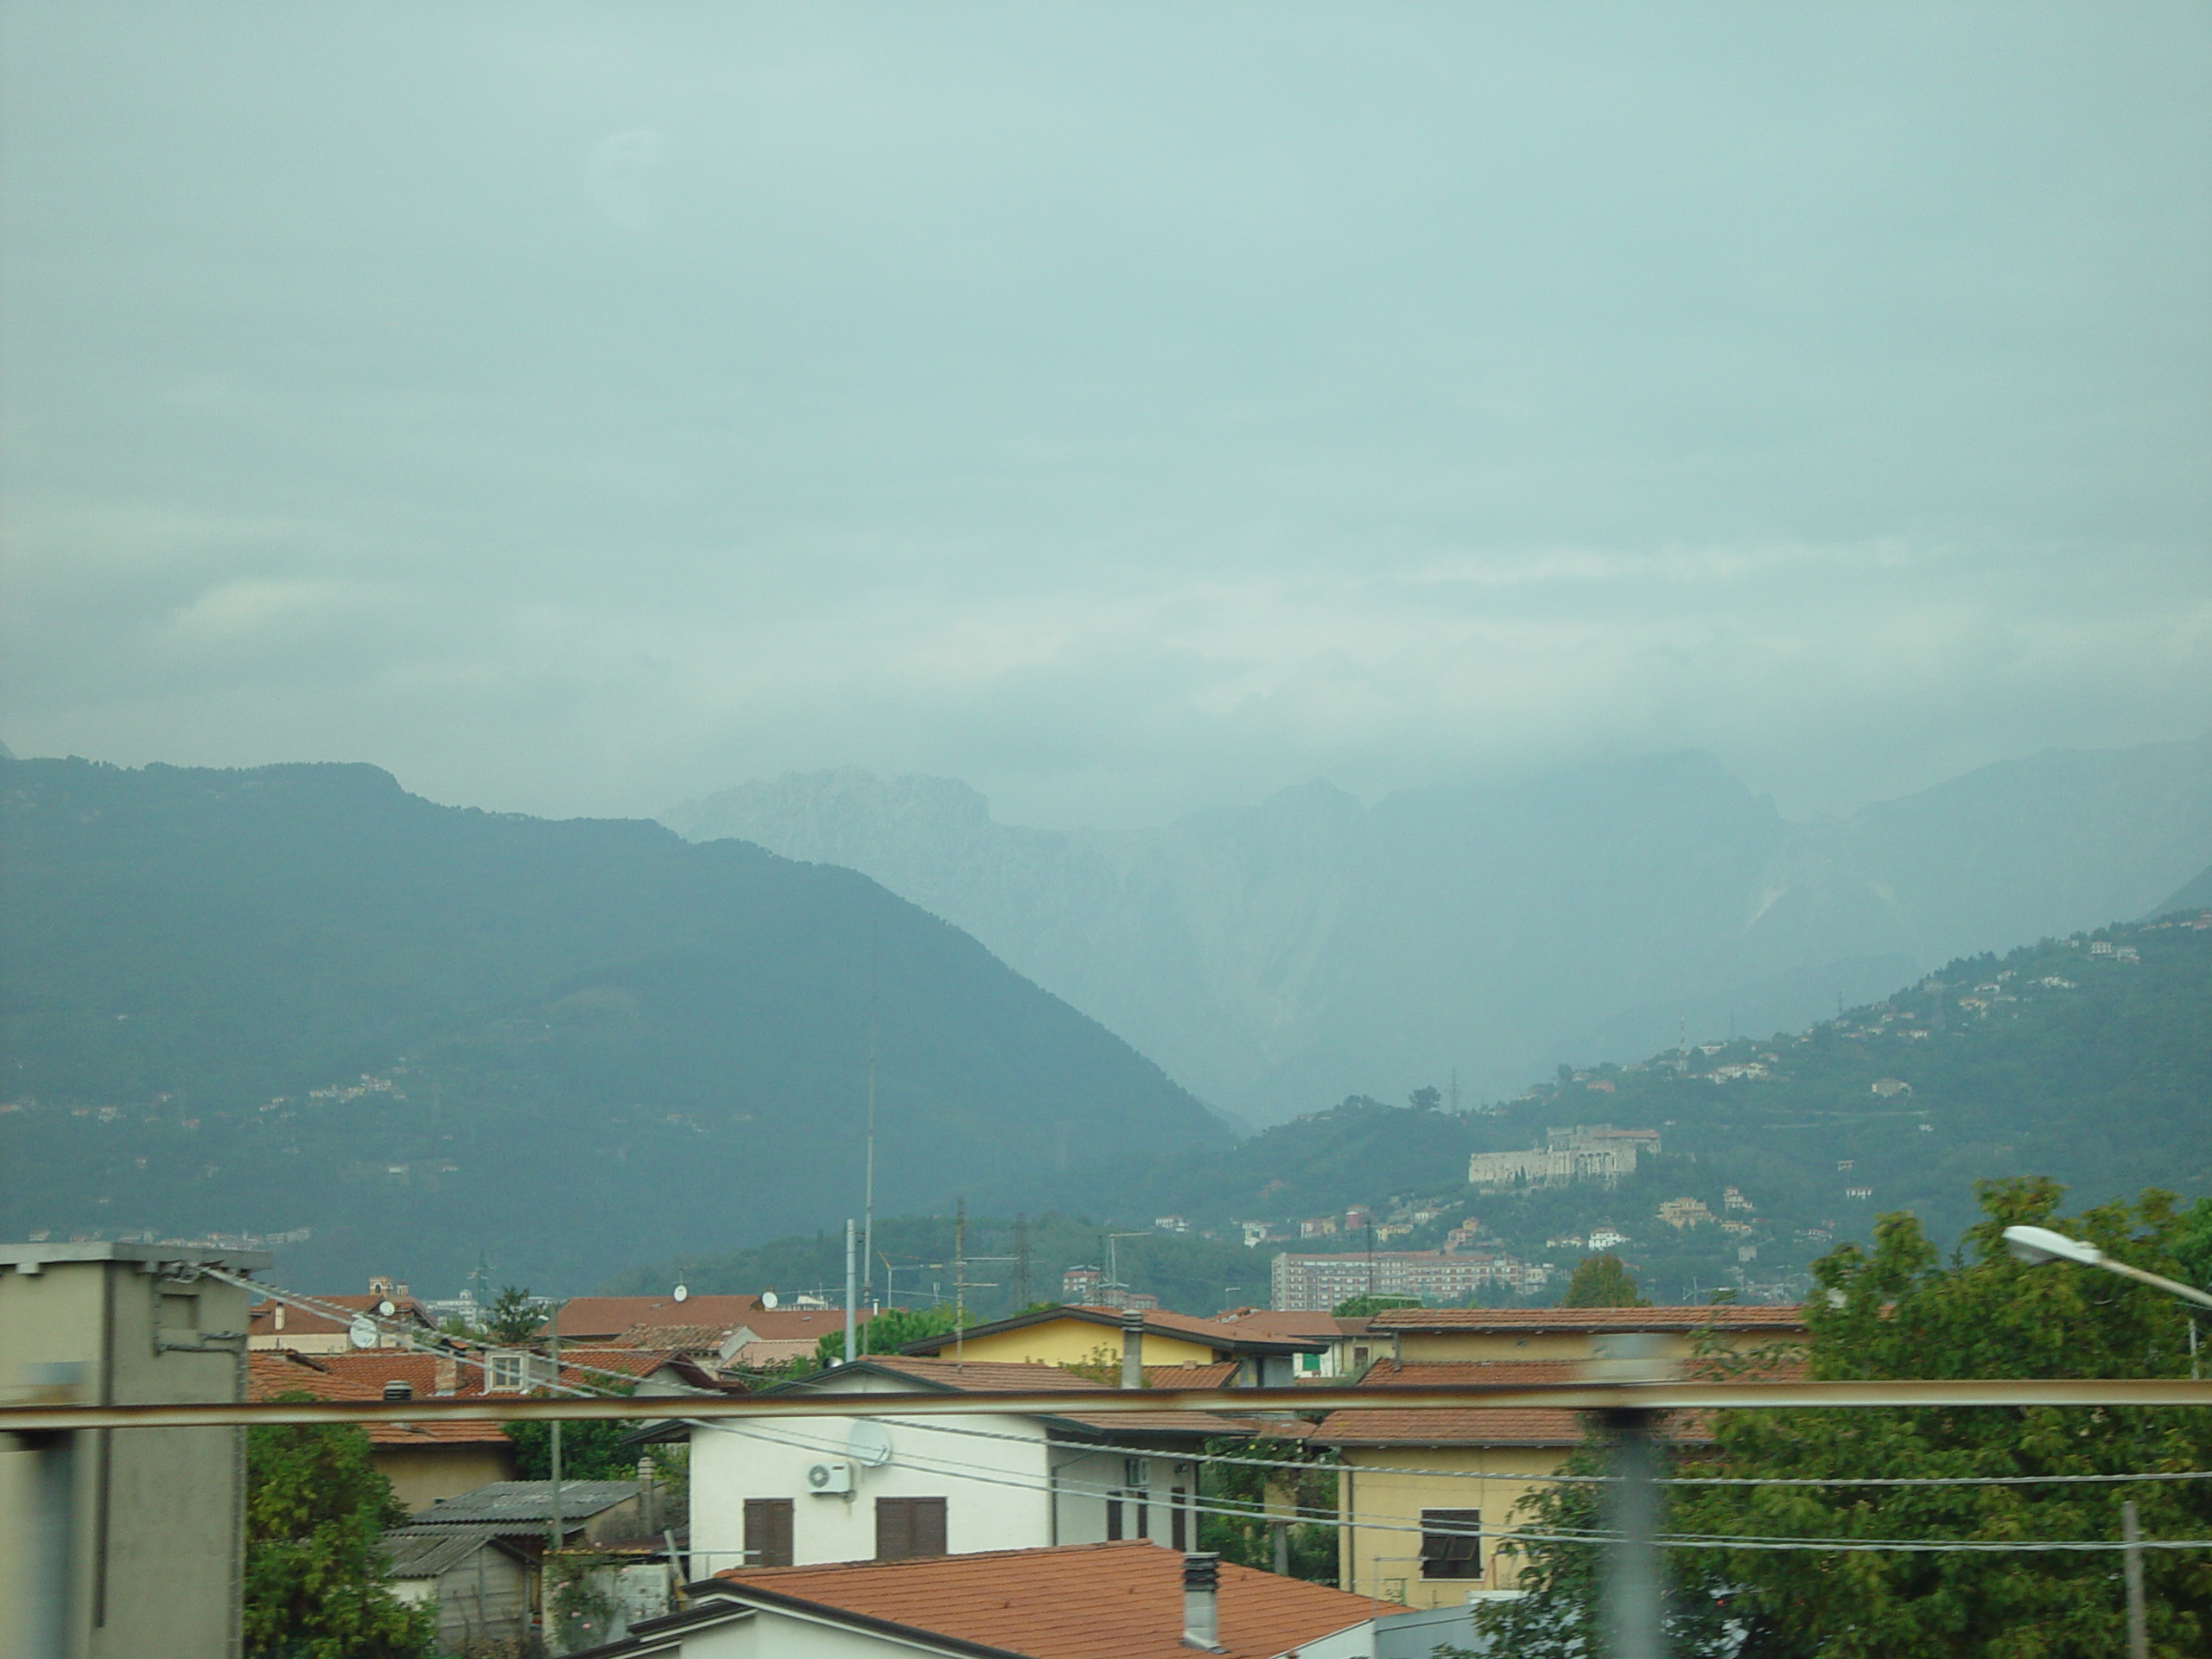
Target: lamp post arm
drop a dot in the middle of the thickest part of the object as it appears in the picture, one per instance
(2171, 1286)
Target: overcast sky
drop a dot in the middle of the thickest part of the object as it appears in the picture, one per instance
(1127, 408)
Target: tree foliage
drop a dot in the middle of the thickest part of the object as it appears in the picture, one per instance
(514, 1315)
(1601, 1281)
(317, 1584)
(1256, 1496)
(1901, 1310)
(1366, 1307)
(889, 1332)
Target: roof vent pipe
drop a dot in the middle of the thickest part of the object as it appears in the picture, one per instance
(1202, 1602)
(398, 1390)
(1133, 1348)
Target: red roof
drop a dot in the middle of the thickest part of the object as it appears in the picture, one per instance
(1720, 1316)
(584, 1317)
(261, 1317)
(1027, 1376)
(1077, 1601)
(362, 1376)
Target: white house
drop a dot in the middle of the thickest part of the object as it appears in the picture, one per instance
(1128, 1600)
(847, 1489)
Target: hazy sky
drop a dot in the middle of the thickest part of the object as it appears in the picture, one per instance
(1126, 408)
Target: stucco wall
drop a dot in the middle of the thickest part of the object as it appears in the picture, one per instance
(1375, 1559)
(1004, 1487)
(1062, 1342)
(420, 1475)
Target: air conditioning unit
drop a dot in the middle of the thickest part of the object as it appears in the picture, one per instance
(829, 1477)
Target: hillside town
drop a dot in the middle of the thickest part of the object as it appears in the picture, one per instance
(669, 1505)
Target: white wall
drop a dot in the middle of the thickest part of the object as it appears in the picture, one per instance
(1004, 1488)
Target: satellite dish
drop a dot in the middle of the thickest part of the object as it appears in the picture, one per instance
(768, 1299)
(869, 1445)
(387, 1308)
(362, 1333)
(683, 1291)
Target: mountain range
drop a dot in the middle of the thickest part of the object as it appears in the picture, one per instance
(1276, 957)
(299, 1001)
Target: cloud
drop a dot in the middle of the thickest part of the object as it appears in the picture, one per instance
(1129, 411)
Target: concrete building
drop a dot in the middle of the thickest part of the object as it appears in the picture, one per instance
(1587, 1152)
(1302, 1280)
(122, 1542)
(846, 1489)
(1428, 1539)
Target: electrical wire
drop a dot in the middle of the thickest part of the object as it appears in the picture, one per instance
(331, 1310)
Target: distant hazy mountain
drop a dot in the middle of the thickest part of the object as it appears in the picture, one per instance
(298, 997)
(2193, 894)
(1278, 958)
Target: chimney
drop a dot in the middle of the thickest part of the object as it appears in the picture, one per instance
(1133, 1348)
(445, 1374)
(1202, 1602)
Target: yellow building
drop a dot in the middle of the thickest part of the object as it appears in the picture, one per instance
(1078, 1335)
(1425, 1495)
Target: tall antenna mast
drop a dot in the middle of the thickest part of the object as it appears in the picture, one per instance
(867, 1205)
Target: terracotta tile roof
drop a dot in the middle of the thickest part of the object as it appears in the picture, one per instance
(1723, 1316)
(1277, 1323)
(1077, 1601)
(1220, 1376)
(586, 1317)
(261, 1317)
(1023, 1376)
(362, 1376)
(1222, 1337)
(669, 1338)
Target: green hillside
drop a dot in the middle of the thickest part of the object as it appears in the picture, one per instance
(2088, 1059)
(299, 998)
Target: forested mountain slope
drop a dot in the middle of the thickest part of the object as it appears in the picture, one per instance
(1290, 953)
(2087, 1059)
(297, 997)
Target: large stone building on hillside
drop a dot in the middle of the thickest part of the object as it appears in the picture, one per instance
(1595, 1152)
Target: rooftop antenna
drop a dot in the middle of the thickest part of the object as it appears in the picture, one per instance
(868, 1197)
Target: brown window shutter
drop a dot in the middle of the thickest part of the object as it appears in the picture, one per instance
(1113, 1516)
(909, 1527)
(929, 1526)
(1451, 1544)
(768, 1531)
(1178, 1532)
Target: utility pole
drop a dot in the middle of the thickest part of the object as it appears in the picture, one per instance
(959, 1279)
(2130, 1566)
(852, 1296)
(1630, 1588)
(555, 1542)
(868, 1196)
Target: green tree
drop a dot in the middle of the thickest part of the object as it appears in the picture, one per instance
(514, 1315)
(1601, 1282)
(1254, 1495)
(1557, 1611)
(1366, 1307)
(317, 1584)
(889, 1332)
(1901, 1311)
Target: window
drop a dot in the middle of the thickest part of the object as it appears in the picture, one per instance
(502, 1373)
(1144, 1516)
(767, 1532)
(1451, 1544)
(908, 1527)
(1179, 1534)
(1113, 1516)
